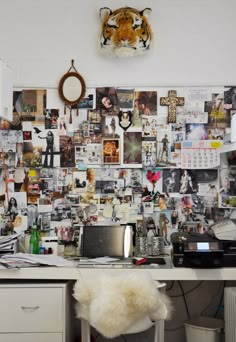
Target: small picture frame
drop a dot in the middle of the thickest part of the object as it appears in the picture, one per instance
(111, 151)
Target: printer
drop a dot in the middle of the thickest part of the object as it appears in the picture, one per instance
(202, 251)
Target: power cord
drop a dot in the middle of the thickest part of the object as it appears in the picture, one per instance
(185, 302)
(186, 293)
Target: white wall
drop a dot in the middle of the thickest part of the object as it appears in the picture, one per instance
(194, 42)
(194, 45)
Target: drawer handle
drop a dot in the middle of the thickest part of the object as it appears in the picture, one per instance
(30, 308)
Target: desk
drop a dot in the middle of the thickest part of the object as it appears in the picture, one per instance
(165, 274)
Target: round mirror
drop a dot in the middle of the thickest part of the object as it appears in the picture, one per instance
(71, 88)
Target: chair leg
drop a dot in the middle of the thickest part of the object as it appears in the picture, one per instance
(85, 331)
(159, 331)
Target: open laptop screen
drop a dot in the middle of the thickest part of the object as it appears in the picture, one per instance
(112, 241)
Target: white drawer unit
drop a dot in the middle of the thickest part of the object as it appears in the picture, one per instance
(54, 337)
(39, 312)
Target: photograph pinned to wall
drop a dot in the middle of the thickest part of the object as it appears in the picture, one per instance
(111, 151)
(60, 210)
(48, 186)
(62, 176)
(196, 132)
(125, 98)
(149, 153)
(135, 181)
(79, 181)
(94, 116)
(88, 195)
(147, 207)
(188, 183)
(44, 205)
(219, 116)
(106, 100)
(51, 118)
(46, 172)
(163, 147)
(88, 102)
(29, 104)
(10, 137)
(49, 141)
(145, 102)
(31, 155)
(227, 176)
(72, 199)
(80, 122)
(110, 127)
(67, 151)
(152, 184)
(163, 223)
(132, 148)
(88, 154)
(149, 126)
(233, 125)
(62, 123)
(230, 97)
(171, 180)
(194, 107)
(8, 156)
(108, 186)
(27, 135)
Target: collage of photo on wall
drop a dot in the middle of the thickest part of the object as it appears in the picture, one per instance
(120, 161)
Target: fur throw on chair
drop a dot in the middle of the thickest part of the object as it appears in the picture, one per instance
(113, 304)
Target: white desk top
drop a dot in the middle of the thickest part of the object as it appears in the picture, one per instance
(61, 273)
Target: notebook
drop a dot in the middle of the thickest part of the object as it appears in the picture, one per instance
(107, 241)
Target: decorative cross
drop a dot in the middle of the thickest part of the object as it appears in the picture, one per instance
(172, 101)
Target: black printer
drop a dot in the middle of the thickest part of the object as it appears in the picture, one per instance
(202, 251)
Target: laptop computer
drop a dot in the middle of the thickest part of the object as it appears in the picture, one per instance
(100, 241)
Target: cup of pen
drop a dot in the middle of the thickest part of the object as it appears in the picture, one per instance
(141, 246)
(157, 245)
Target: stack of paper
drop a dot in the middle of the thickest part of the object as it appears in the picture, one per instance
(19, 260)
(8, 244)
(224, 230)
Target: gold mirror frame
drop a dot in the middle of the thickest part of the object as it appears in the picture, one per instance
(64, 79)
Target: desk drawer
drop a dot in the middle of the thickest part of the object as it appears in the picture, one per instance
(31, 309)
(50, 337)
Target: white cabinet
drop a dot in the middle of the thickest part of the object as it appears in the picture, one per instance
(39, 312)
(55, 337)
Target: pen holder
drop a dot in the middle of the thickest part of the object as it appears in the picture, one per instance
(141, 246)
(157, 245)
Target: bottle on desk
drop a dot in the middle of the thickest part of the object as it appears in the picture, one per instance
(34, 240)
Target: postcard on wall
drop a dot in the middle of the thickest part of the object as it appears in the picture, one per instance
(227, 177)
(132, 148)
(163, 147)
(111, 151)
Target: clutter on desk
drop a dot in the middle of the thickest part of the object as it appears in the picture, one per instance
(19, 260)
(119, 163)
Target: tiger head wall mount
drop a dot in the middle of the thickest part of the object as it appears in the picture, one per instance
(125, 32)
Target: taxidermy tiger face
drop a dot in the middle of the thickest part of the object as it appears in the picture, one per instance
(125, 32)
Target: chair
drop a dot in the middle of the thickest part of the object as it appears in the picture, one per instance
(141, 322)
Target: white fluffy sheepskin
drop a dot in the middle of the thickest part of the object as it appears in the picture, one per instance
(114, 304)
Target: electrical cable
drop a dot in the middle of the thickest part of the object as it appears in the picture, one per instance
(171, 286)
(185, 302)
(211, 300)
(221, 298)
(186, 293)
